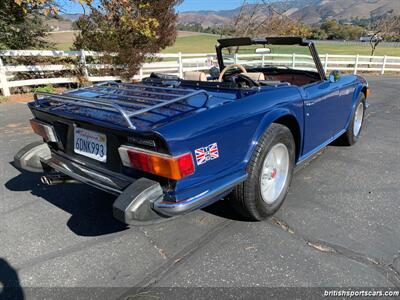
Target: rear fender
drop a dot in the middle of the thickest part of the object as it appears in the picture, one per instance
(267, 120)
(360, 88)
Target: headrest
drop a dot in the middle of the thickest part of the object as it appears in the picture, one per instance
(256, 76)
(195, 76)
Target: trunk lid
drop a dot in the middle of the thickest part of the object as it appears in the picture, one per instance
(140, 107)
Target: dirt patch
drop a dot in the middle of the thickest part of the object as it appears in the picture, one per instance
(187, 33)
(16, 128)
(62, 37)
(25, 97)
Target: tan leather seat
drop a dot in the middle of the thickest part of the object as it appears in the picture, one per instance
(195, 76)
(256, 76)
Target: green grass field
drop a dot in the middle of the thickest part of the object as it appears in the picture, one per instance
(64, 46)
(206, 44)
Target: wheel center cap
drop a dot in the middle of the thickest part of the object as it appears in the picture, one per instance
(273, 173)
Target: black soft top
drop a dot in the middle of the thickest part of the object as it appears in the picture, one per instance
(244, 41)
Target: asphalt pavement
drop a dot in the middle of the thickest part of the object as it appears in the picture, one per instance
(339, 225)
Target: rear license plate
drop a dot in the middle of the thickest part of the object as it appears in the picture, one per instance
(90, 144)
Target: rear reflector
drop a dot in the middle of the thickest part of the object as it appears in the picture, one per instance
(44, 130)
(367, 92)
(155, 163)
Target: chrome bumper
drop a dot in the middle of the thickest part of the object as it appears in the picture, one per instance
(107, 181)
(139, 200)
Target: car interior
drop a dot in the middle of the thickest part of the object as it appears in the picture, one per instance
(232, 75)
(267, 76)
(236, 79)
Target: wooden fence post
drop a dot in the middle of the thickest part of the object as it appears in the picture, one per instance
(384, 65)
(326, 63)
(82, 61)
(180, 62)
(141, 73)
(3, 80)
(356, 64)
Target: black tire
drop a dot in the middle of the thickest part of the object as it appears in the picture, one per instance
(349, 138)
(246, 198)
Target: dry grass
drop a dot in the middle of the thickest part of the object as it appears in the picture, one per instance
(3, 99)
(62, 37)
(64, 40)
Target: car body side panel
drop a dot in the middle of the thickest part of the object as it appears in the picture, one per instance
(235, 127)
(339, 111)
(321, 113)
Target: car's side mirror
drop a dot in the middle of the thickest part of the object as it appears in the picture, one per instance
(334, 76)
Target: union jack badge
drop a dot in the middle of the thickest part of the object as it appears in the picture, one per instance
(206, 154)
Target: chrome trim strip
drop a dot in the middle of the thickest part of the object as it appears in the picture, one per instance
(178, 208)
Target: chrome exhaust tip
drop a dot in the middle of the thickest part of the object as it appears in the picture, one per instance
(56, 179)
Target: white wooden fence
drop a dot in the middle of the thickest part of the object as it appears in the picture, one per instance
(172, 64)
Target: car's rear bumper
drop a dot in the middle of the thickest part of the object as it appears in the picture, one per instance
(138, 199)
(110, 182)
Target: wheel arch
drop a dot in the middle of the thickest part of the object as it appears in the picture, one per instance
(284, 117)
(364, 90)
(291, 122)
(360, 88)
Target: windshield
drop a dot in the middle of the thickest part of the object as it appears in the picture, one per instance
(278, 56)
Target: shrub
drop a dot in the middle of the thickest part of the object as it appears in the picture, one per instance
(44, 89)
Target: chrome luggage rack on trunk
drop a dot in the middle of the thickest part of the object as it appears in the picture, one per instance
(130, 96)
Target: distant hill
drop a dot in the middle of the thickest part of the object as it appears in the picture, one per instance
(306, 11)
(62, 23)
(71, 17)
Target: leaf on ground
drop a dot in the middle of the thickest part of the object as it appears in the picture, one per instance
(283, 225)
(320, 247)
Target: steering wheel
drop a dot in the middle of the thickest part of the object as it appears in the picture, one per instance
(239, 66)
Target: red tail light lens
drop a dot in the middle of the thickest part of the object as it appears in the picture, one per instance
(44, 130)
(159, 164)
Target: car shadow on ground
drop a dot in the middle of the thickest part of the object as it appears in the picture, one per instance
(224, 209)
(90, 209)
(10, 287)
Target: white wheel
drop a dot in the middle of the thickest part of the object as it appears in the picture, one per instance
(352, 134)
(270, 171)
(274, 173)
(358, 119)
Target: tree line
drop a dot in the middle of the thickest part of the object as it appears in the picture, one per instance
(127, 31)
(328, 29)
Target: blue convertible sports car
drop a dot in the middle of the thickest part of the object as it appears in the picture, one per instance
(168, 145)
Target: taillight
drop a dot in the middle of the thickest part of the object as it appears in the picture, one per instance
(44, 130)
(173, 167)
